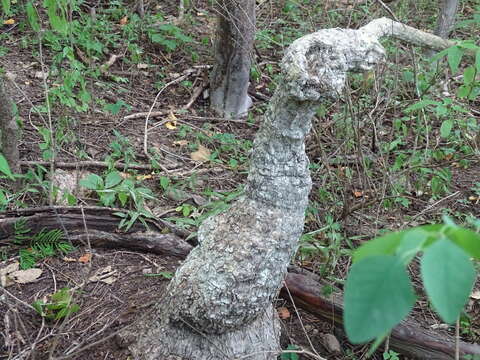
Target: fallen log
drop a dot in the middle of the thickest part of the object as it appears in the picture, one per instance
(98, 226)
(408, 338)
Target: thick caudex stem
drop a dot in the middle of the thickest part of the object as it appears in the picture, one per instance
(219, 303)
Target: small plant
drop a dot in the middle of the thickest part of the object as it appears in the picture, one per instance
(60, 305)
(169, 36)
(378, 292)
(286, 355)
(391, 355)
(115, 188)
(43, 244)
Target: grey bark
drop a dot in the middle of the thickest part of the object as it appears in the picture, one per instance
(233, 53)
(9, 131)
(446, 17)
(219, 304)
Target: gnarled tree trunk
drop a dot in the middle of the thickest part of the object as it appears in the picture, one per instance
(233, 53)
(219, 304)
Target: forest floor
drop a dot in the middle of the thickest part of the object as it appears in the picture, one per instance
(375, 166)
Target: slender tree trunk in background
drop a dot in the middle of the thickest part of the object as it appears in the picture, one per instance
(233, 56)
(9, 131)
(446, 17)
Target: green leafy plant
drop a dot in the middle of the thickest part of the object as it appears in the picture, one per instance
(169, 36)
(58, 307)
(390, 355)
(165, 274)
(39, 246)
(115, 188)
(290, 355)
(378, 292)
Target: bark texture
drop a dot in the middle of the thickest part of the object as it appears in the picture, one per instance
(233, 53)
(9, 131)
(218, 305)
(446, 17)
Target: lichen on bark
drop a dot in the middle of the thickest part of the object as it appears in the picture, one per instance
(219, 304)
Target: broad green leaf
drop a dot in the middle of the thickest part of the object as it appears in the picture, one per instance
(467, 239)
(469, 75)
(164, 182)
(454, 58)
(411, 243)
(421, 104)
(384, 245)
(388, 244)
(446, 128)
(463, 91)
(113, 178)
(5, 168)
(441, 110)
(448, 276)
(438, 56)
(123, 197)
(107, 197)
(378, 295)
(32, 16)
(92, 182)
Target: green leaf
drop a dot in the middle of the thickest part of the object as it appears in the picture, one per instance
(5, 168)
(441, 110)
(448, 276)
(113, 178)
(58, 23)
(384, 245)
(164, 182)
(32, 16)
(378, 295)
(38, 306)
(446, 128)
(467, 239)
(92, 182)
(454, 58)
(107, 197)
(421, 104)
(6, 7)
(463, 91)
(123, 197)
(164, 274)
(290, 355)
(411, 243)
(469, 75)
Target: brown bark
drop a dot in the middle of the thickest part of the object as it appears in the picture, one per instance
(9, 131)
